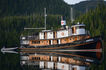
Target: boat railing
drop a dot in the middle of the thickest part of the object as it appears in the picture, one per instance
(33, 37)
(29, 37)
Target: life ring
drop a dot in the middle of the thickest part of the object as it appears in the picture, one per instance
(62, 33)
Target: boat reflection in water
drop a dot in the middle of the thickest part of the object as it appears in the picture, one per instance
(58, 60)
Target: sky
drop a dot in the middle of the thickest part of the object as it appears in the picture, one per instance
(74, 1)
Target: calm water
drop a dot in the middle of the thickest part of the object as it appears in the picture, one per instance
(9, 61)
(46, 60)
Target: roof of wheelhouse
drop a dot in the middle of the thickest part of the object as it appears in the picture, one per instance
(78, 24)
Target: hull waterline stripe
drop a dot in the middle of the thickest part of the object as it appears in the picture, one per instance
(90, 50)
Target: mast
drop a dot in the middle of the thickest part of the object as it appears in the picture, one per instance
(71, 14)
(45, 16)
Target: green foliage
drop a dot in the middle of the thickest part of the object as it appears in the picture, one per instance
(29, 7)
(85, 6)
(11, 27)
(95, 21)
(23, 7)
(29, 14)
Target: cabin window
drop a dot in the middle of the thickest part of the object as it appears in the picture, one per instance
(77, 27)
(74, 68)
(35, 42)
(57, 41)
(47, 41)
(64, 39)
(73, 38)
(77, 37)
(41, 33)
(81, 27)
(53, 34)
(72, 29)
(50, 32)
(44, 35)
(33, 58)
(42, 41)
(38, 58)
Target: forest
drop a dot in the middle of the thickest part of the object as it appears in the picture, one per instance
(12, 27)
(14, 19)
(95, 20)
(29, 7)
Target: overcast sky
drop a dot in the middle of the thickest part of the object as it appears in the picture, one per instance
(74, 1)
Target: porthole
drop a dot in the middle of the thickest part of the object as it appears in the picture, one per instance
(73, 38)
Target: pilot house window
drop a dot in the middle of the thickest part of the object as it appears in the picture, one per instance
(73, 30)
(74, 68)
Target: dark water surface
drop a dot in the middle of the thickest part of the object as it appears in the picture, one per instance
(11, 61)
(28, 60)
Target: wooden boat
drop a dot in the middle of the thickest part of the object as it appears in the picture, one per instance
(66, 39)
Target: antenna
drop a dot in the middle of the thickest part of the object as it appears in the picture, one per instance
(71, 15)
(86, 8)
(45, 21)
(45, 16)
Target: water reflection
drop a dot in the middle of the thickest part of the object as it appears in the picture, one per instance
(56, 60)
(48, 60)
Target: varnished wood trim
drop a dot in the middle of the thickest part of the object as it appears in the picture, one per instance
(58, 47)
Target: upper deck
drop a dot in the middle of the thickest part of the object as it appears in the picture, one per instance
(78, 29)
(64, 35)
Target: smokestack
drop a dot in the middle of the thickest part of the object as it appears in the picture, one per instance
(63, 22)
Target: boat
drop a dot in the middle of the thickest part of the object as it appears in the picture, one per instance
(74, 38)
(66, 39)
